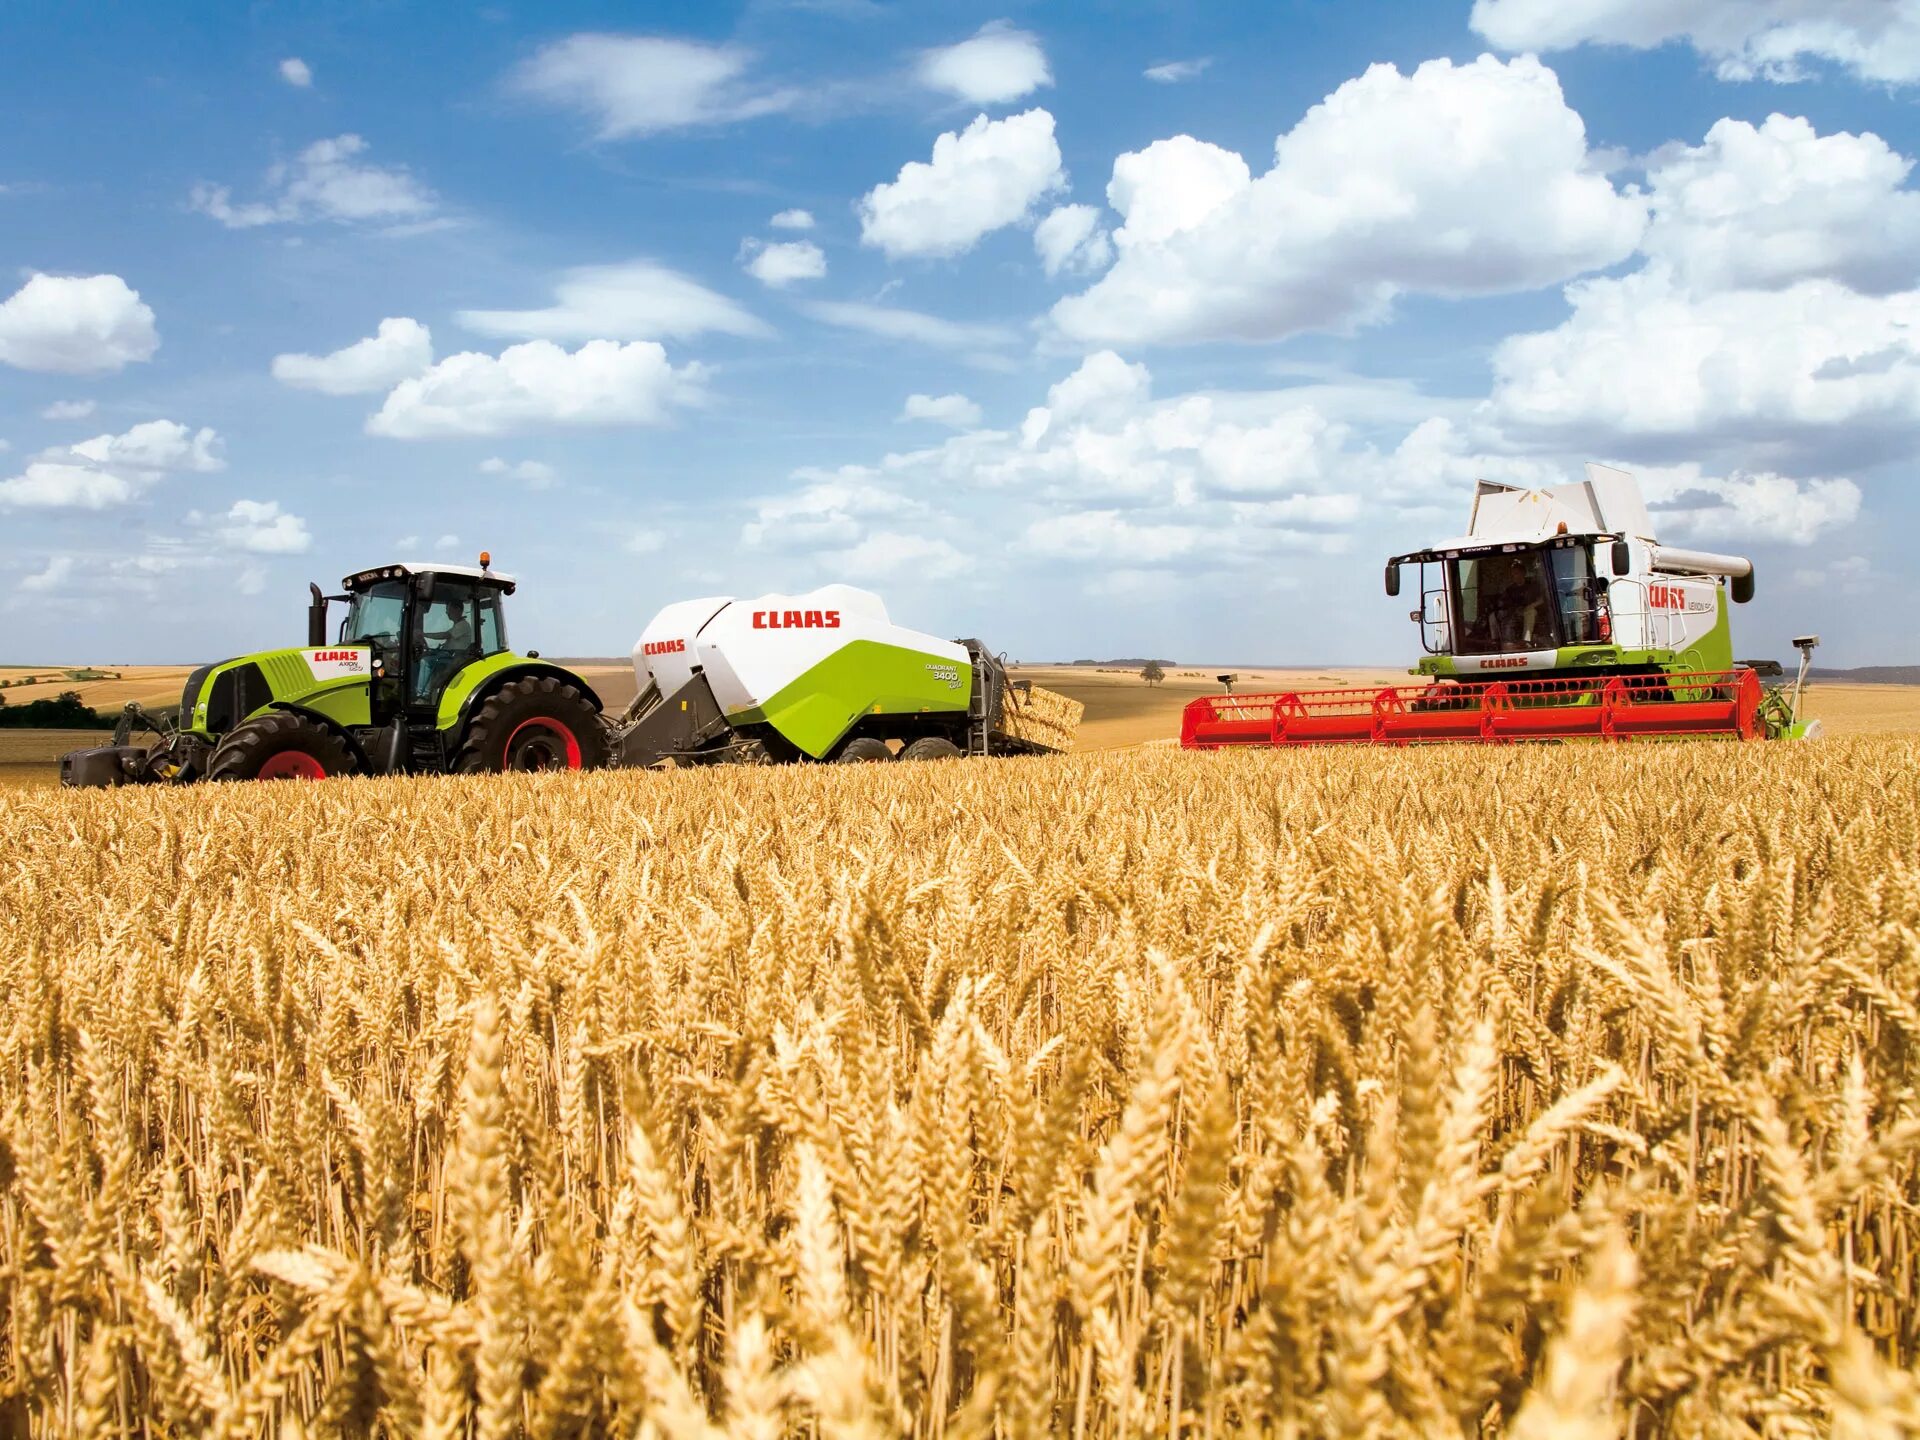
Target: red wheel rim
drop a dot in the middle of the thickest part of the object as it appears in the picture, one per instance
(541, 743)
(292, 765)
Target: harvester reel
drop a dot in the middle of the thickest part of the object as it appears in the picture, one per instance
(534, 724)
(281, 745)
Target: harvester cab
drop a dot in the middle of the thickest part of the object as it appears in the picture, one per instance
(1557, 615)
(416, 677)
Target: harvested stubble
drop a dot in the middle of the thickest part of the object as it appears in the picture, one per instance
(1562, 1092)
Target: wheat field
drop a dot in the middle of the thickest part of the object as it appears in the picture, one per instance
(1534, 1092)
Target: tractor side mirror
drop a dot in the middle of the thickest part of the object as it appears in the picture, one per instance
(423, 589)
(1393, 579)
(1622, 557)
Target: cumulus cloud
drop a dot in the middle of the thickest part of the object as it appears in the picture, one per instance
(888, 554)
(999, 64)
(58, 571)
(1762, 207)
(779, 265)
(792, 220)
(1811, 372)
(68, 410)
(261, 527)
(1071, 239)
(891, 322)
(75, 325)
(1110, 535)
(538, 385)
(954, 411)
(980, 179)
(1686, 504)
(398, 349)
(633, 85)
(534, 474)
(60, 485)
(326, 182)
(1454, 180)
(637, 300)
(1746, 39)
(296, 72)
(829, 511)
(1175, 71)
(156, 445)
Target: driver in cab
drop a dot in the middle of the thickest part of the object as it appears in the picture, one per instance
(445, 650)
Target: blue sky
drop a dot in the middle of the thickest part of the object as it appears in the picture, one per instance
(1086, 329)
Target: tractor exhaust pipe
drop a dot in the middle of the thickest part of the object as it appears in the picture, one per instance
(316, 618)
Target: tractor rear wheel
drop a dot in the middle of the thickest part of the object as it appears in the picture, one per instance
(931, 747)
(534, 724)
(281, 745)
(862, 750)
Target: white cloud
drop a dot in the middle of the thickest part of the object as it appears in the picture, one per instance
(534, 474)
(1812, 369)
(887, 554)
(538, 385)
(645, 542)
(1454, 180)
(782, 263)
(1109, 535)
(400, 348)
(326, 182)
(296, 72)
(1761, 207)
(980, 179)
(58, 571)
(1686, 504)
(260, 527)
(999, 64)
(1070, 238)
(447, 542)
(638, 300)
(831, 510)
(792, 220)
(68, 410)
(1174, 71)
(892, 323)
(1746, 39)
(156, 445)
(955, 411)
(632, 85)
(75, 325)
(1849, 575)
(58, 485)
(406, 542)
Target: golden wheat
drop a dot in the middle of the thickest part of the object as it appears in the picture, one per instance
(1464, 1092)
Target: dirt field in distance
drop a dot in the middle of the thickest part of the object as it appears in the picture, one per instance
(151, 685)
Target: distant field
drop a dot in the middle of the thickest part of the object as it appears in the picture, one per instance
(151, 685)
(1122, 709)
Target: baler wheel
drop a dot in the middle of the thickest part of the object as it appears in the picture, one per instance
(932, 747)
(534, 724)
(281, 745)
(862, 750)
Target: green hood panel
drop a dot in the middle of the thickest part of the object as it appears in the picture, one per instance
(289, 681)
(862, 677)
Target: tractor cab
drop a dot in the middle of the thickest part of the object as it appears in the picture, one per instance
(1512, 599)
(422, 623)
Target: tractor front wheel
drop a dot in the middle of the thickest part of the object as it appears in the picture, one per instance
(534, 724)
(281, 745)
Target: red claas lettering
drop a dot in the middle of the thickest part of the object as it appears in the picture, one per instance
(796, 619)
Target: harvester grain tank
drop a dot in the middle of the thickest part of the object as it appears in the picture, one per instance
(1557, 615)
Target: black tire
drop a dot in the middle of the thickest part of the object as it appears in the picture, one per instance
(536, 723)
(862, 750)
(281, 745)
(932, 747)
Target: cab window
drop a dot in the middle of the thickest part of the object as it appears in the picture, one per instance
(376, 614)
(493, 629)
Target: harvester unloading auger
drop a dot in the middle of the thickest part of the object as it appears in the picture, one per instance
(1557, 616)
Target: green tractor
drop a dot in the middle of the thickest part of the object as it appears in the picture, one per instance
(418, 678)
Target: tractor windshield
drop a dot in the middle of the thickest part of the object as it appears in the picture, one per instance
(377, 614)
(1520, 600)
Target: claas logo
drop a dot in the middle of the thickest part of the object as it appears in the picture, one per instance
(796, 619)
(321, 656)
(1666, 597)
(666, 647)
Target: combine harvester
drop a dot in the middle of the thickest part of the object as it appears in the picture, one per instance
(1557, 616)
(418, 678)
